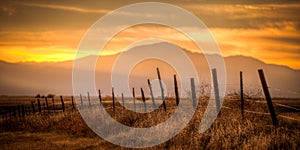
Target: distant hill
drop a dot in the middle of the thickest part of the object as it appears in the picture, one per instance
(44, 78)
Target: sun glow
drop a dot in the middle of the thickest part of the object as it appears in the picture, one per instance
(247, 42)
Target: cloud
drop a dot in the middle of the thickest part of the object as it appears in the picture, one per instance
(68, 38)
(8, 10)
(66, 8)
(272, 45)
(245, 16)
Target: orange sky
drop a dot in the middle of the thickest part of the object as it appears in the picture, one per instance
(47, 31)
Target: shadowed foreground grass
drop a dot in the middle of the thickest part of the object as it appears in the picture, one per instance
(229, 131)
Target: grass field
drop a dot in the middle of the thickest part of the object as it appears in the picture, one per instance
(229, 131)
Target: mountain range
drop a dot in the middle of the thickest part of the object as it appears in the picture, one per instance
(44, 78)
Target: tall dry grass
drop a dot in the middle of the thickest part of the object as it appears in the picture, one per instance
(229, 131)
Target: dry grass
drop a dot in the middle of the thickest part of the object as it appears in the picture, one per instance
(229, 131)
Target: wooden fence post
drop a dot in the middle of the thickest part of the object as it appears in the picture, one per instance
(47, 104)
(39, 105)
(268, 97)
(144, 100)
(62, 103)
(123, 100)
(216, 89)
(162, 89)
(176, 90)
(88, 96)
(72, 98)
(113, 98)
(99, 94)
(81, 100)
(242, 94)
(193, 93)
(133, 94)
(151, 93)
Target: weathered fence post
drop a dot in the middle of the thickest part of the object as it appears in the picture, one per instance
(113, 98)
(99, 94)
(151, 93)
(81, 100)
(62, 103)
(133, 94)
(176, 90)
(268, 97)
(242, 94)
(123, 100)
(216, 89)
(88, 96)
(72, 98)
(144, 100)
(162, 89)
(193, 93)
(47, 104)
(39, 105)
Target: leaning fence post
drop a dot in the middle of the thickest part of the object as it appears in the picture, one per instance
(151, 93)
(193, 93)
(216, 88)
(62, 103)
(81, 100)
(133, 94)
(100, 99)
(242, 94)
(39, 105)
(144, 100)
(88, 96)
(162, 89)
(176, 90)
(72, 98)
(123, 100)
(113, 98)
(268, 97)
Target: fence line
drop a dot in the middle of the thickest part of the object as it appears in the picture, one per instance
(22, 110)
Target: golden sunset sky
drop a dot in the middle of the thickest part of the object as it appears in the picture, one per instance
(50, 31)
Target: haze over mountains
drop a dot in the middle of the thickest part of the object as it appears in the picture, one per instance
(45, 78)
